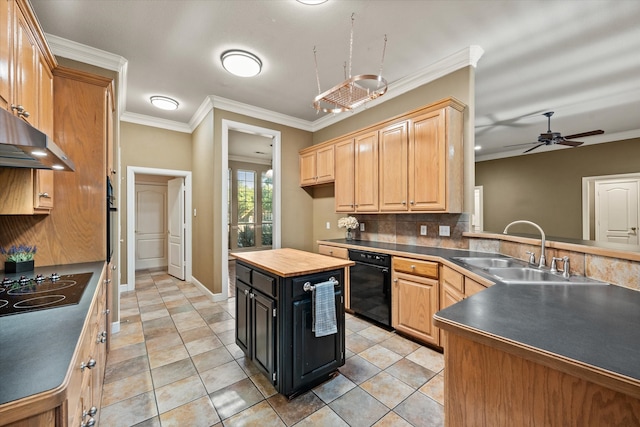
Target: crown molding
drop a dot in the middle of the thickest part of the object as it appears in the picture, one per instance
(468, 56)
(145, 120)
(92, 56)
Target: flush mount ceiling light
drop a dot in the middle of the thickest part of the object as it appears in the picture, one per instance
(312, 2)
(355, 90)
(164, 102)
(241, 63)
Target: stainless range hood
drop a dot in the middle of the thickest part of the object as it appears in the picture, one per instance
(23, 146)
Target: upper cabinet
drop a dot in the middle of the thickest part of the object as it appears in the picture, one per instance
(26, 65)
(317, 165)
(410, 163)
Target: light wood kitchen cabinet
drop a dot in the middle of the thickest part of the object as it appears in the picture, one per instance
(6, 53)
(26, 191)
(344, 192)
(415, 300)
(356, 183)
(317, 165)
(394, 163)
(366, 172)
(342, 253)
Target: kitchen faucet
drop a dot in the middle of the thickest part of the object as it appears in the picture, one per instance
(522, 221)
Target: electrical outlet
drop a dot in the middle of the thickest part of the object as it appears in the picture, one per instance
(423, 230)
(328, 225)
(445, 230)
(362, 226)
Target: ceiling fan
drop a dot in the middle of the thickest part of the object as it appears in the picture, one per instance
(550, 138)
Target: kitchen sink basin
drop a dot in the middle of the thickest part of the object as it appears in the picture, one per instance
(491, 262)
(534, 276)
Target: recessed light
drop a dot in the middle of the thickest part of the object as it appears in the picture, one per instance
(164, 102)
(312, 2)
(58, 167)
(39, 153)
(241, 63)
(478, 147)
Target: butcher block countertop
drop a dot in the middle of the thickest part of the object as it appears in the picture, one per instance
(289, 262)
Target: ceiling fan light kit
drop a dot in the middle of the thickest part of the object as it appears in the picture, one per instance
(354, 91)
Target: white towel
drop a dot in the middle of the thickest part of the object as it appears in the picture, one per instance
(324, 310)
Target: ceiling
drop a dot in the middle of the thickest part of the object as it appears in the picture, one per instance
(578, 58)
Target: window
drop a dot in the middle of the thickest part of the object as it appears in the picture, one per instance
(267, 207)
(246, 208)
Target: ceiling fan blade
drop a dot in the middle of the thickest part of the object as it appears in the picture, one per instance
(531, 149)
(522, 144)
(582, 135)
(570, 143)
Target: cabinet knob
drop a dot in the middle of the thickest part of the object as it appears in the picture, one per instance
(246, 291)
(404, 202)
(45, 195)
(90, 364)
(91, 412)
(90, 423)
(395, 280)
(107, 311)
(410, 202)
(413, 267)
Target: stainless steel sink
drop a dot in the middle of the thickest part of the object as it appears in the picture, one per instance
(518, 272)
(491, 262)
(535, 276)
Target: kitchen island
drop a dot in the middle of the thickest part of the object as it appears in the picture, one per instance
(274, 316)
(558, 355)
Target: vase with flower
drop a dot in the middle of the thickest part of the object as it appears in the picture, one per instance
(350, 223)
(18, 259)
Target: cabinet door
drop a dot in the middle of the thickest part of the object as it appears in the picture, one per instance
(308, 168)
(324, 165)
(450, 296)
(43, 190)
(428, 162)
(263, 336)
(26, 77)
(415, 301)
(394, 145)
(45, 97)
(243, 317)
(344, 176)
(366, 172)
(313, 357)
(6, 52)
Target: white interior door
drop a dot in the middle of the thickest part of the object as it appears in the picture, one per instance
(175, 209)
(617, 211)
(151, 226)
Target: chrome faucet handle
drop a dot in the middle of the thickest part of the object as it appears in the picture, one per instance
(532, 257)
(565, 267)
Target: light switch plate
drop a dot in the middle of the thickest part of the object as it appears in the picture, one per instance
(423, 230)
(362, 226)
(445, 230)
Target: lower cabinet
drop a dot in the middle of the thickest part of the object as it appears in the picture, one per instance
(342, 253)
(274, 328)
(415, 298)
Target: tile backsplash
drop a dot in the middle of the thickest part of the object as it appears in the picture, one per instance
(405, 229)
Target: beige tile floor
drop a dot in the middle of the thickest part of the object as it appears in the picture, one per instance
(175, 363)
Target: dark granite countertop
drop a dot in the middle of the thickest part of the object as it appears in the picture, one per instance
(594, 325)
(36, 347)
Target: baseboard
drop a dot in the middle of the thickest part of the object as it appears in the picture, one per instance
(125, 288)
(214, 297)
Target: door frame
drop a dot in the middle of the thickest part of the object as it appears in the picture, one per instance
(132, 172)
(588, 200)
(230, 125)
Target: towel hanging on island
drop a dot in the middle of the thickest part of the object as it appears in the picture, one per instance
(324, 309)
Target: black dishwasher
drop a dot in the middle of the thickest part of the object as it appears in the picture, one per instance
(370, 290)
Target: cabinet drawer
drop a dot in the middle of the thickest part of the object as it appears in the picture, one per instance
(416, 267)
(453, 278)
(342, 253)
(264, 283)
(243, 273)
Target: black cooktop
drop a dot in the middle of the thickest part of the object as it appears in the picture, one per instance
(26, 294)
